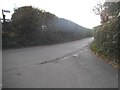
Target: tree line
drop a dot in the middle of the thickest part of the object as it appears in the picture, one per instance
(31, 26)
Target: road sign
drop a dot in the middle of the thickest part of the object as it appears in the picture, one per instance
(6, 11)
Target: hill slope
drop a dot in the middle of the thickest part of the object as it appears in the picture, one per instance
(31, 26)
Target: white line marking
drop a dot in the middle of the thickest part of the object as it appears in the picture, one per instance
(86, 49)
(76, 55)
(81, 51)
(65, 58)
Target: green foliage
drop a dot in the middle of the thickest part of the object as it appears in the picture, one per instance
(112, 8)
(106, 40)
(107, 11)
(31, 26)
(107, 36)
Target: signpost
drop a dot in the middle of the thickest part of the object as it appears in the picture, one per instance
(7, 11)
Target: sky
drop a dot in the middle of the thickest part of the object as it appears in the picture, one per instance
(112, 0)
(78, 11)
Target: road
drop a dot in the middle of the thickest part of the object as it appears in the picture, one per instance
(67, 65)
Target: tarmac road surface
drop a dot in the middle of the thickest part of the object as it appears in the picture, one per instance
(67, 65)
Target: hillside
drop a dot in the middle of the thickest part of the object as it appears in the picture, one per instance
(31, 26)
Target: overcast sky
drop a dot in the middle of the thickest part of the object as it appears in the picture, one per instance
(112, 0)
(78, 11)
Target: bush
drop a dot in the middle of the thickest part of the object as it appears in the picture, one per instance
(106, 40)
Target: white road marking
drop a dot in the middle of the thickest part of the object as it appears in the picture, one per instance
(65, 58)
(81, 51)
(75, 55)
(86, 49)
